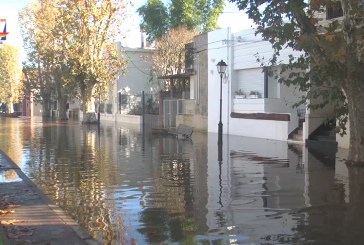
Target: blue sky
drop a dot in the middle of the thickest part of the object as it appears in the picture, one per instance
(9, 10)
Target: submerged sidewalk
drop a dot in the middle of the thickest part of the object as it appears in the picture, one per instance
(28, 217)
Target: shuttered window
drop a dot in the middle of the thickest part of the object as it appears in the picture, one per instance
(251, 80)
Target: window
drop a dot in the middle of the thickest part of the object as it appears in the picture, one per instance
(271, 84)
(189, 51)
(334, 10)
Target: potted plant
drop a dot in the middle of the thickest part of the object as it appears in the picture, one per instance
(239, 94)
(254, 94)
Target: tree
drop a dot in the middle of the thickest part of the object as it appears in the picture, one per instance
(155, 19)
(89, 27)
(69, 43)
(37, 22)
(196, 15)
(169, 55)
(10, 76)
(330, 68)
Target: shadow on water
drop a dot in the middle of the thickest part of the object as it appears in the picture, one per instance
(129, 186)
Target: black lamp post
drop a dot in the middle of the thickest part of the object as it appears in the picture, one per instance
(221, 68)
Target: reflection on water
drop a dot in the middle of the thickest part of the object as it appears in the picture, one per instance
(7, 176)
(130, 187)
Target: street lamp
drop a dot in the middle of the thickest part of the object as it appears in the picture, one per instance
(221, 68)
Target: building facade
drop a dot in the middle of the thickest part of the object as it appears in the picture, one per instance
(254, 104)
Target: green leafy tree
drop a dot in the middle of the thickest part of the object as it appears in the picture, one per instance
(330, 68)
(155, 19)
(196, 15)
(10, 76)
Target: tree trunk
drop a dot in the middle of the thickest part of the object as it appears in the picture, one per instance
(10, 107)
(354, 86)
(46, 109)
(355, 96)
(84, 108)
(87, 107)
(62, 102)
(62, 108)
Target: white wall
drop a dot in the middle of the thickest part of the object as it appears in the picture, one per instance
(249, 76)
(137, 76)
(218, 49)
(289, 96)
(244, 72)
(248, 47)
(267, 129)
(152, 120)
(135, 79)
(248, 105)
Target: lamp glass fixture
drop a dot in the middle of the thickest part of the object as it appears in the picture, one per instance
(221, 67)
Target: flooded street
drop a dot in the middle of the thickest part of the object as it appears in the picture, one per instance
(126, 186)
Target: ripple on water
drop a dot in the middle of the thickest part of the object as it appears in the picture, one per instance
(123, 186)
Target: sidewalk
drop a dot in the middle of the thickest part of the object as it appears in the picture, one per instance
(28, 217)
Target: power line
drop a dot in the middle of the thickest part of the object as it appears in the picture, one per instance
(139, 69)
(228, 41)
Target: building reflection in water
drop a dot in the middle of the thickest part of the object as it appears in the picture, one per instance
(125, 186)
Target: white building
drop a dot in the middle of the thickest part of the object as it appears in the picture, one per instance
(124, 103)
(264, 108)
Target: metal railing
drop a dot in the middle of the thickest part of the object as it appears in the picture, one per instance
(174, 107)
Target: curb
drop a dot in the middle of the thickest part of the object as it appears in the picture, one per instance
(66, 219)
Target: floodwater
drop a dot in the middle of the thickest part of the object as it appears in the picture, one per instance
(126, 186)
